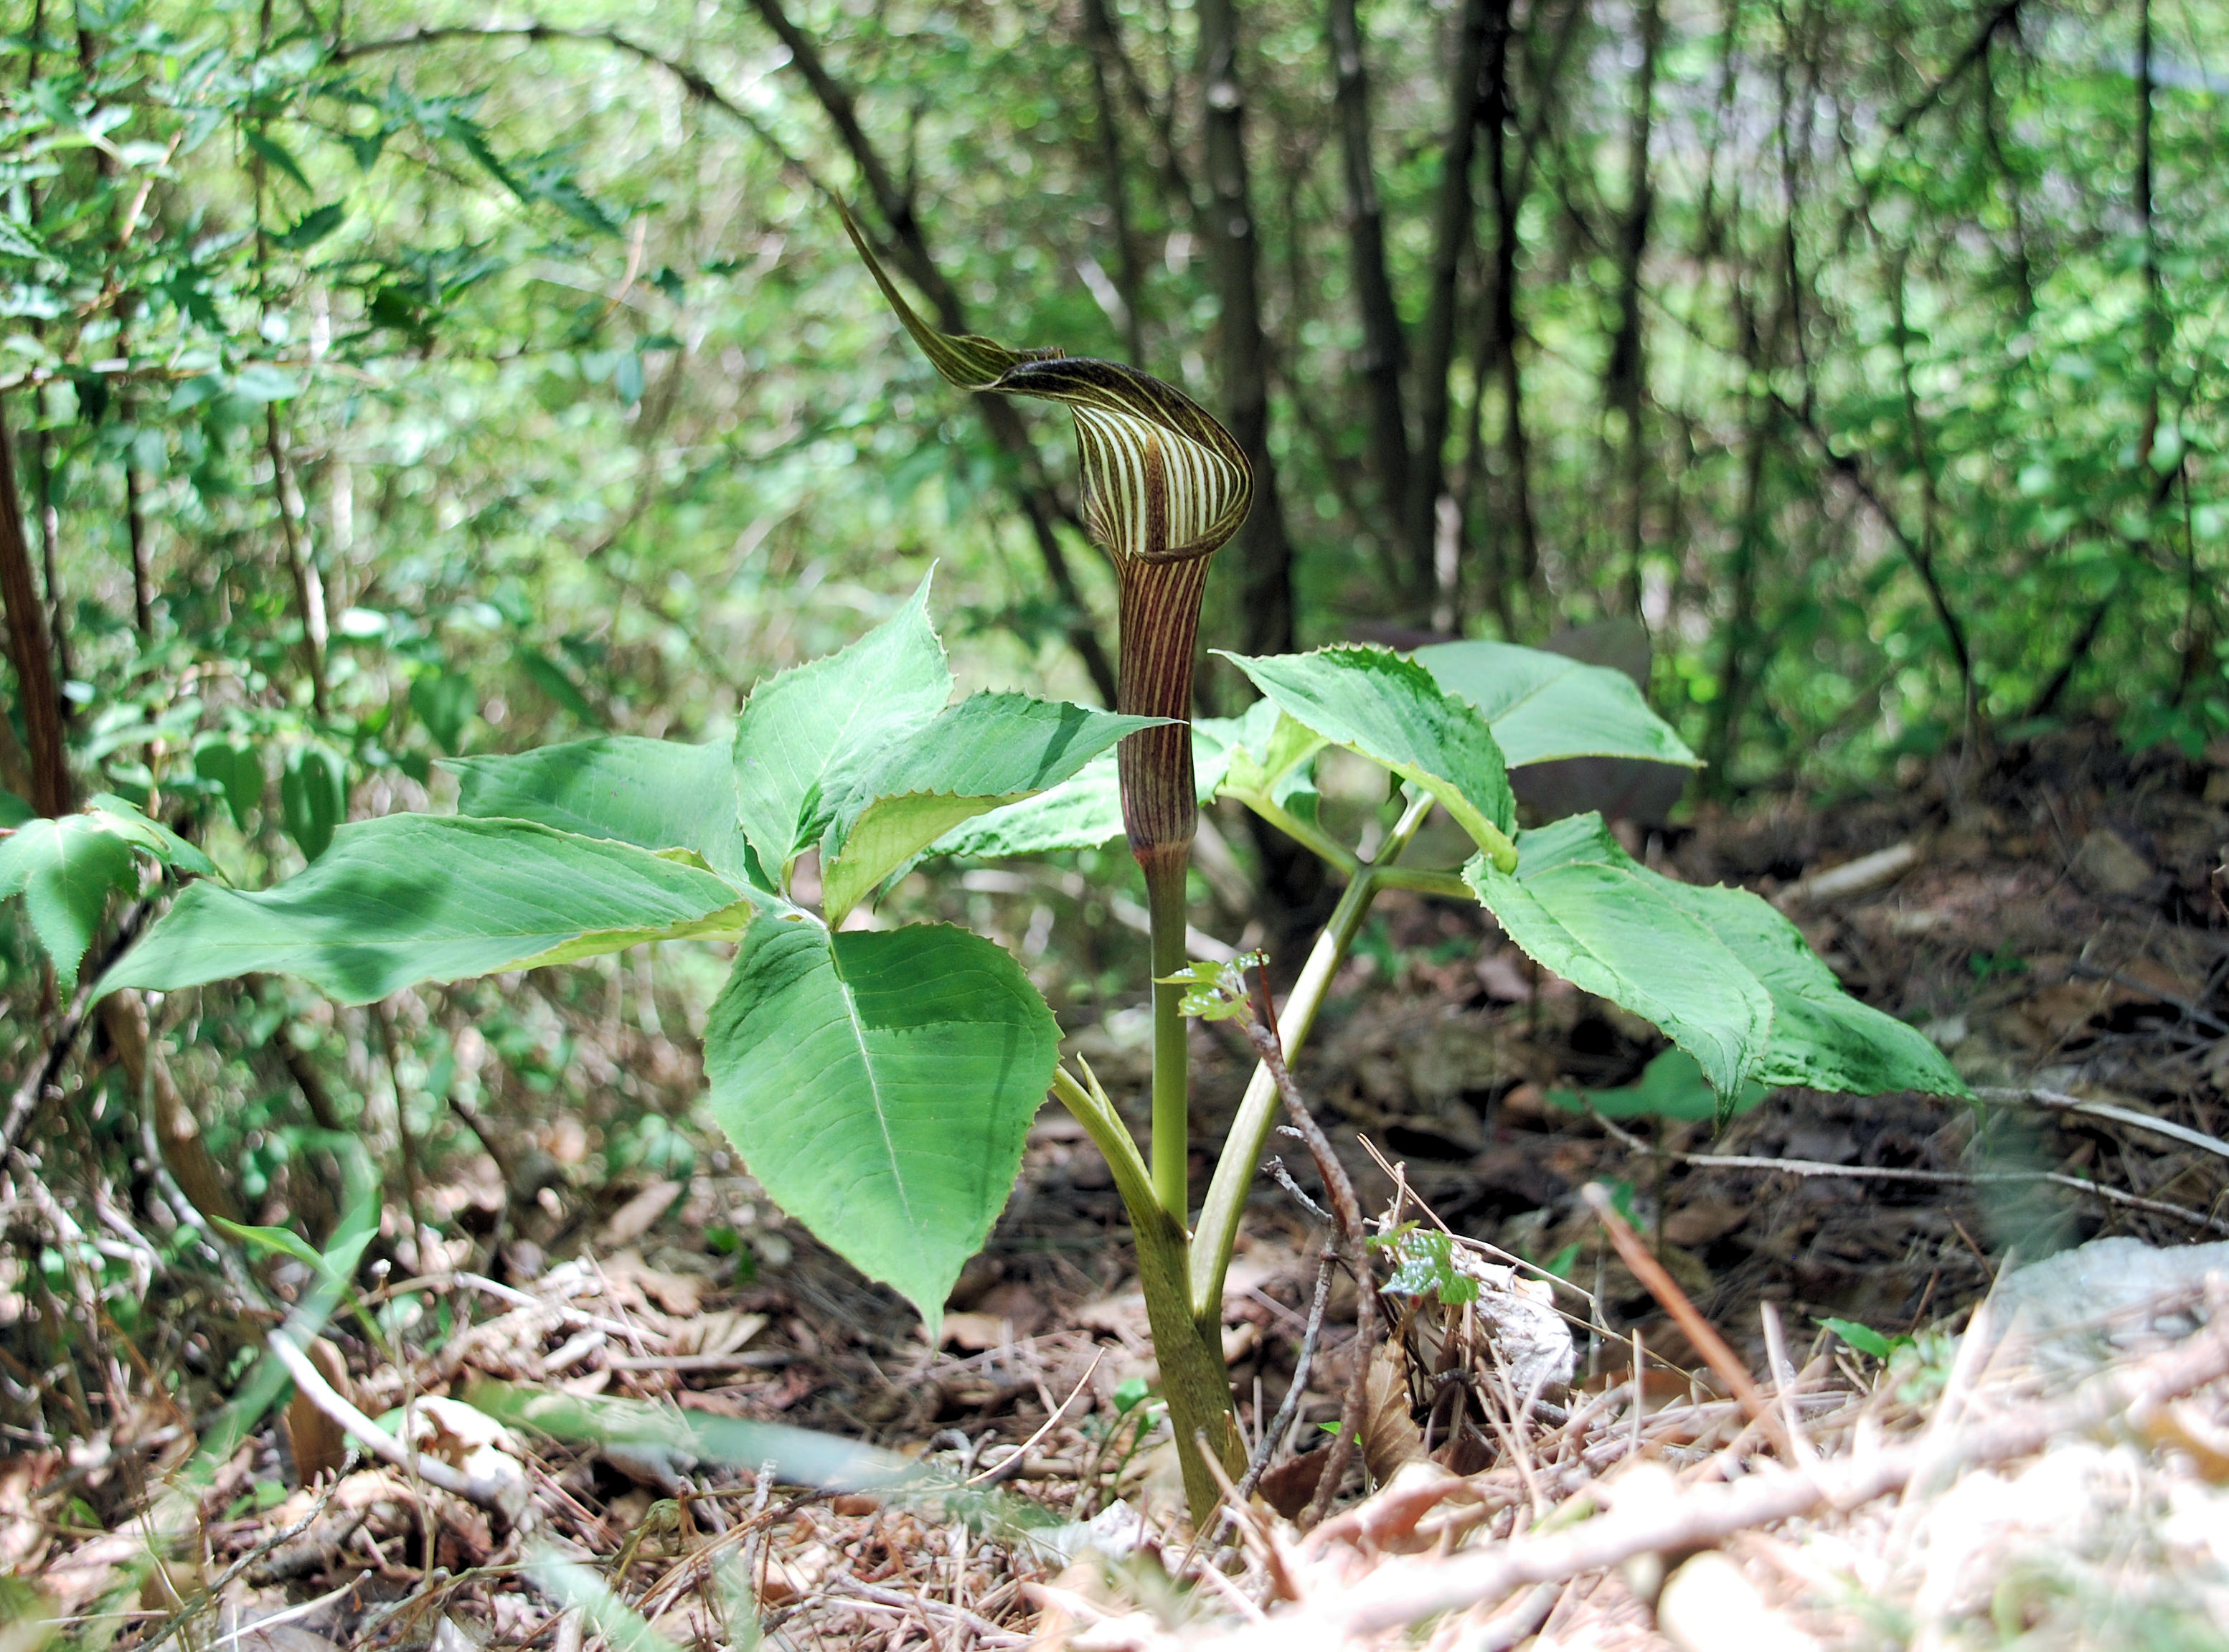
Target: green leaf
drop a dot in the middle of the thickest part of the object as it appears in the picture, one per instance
(1081, 813)
(1424, 1264)
(1390, 709)
(261, 382)
(443, 700)
(113, 814)
(804, 734)
(1670, 1087)
(278, 1241)
(311, 228)
(313, 798)
(1268, 751)
(64, 871)
(13, 810)
(1823, 1039)
(277, 154)
(987, 750)
(1863, 1338)
(1214, 991)
(413, 898)
(880, 1085)
(1583, 908)
(1086, 810)
(1701, 963)
(1543, 706)
(653, 794)
(548, 676)
(236, 771)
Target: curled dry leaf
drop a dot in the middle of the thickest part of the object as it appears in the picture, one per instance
(629, 1277)
(635, 1218)
(1389, 1436)
(471, 1442)
(317, 1442)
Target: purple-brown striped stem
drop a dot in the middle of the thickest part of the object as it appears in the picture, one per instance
(1164, 486)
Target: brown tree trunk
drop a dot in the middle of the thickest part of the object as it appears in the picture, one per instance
(910, 248)
(177, 1133)
(1129, 274)
(1625, 378)
(1381, 359)
(1265, 573)
(27, 638)
(1435, 345)
(1517, 457)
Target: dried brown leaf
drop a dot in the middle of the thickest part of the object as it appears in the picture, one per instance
(1389, 1436)
(635, 1218)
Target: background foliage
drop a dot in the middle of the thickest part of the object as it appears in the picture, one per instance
(388, 384)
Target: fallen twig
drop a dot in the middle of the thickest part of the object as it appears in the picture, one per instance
(985, 1631)
(1261, 1029)
(2057, 1101)
(1266, 1447)
(1957, 1179)
(1403, 1592)
(1700, 1331)
(1006, 1469)
(313, 1387)
(1852, 877)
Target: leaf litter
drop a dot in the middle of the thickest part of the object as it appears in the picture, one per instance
(1985, 1392)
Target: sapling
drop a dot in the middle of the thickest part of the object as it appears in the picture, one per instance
(880, 1083)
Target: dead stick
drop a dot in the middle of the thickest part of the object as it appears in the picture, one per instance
(313, 1387)
(1261, 1028)
(1403, 1592)
(1700, 1331)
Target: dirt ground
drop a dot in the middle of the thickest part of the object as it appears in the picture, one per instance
(2056, 923)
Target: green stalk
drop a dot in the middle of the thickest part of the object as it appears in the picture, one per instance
(1172, 1143)
(1194, 1379)
(1257, 1114)
(1089, 1105)
(1195, 1382)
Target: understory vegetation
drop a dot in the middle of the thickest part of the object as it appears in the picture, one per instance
(563, 686)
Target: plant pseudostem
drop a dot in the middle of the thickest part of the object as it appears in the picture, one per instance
(1165, 487)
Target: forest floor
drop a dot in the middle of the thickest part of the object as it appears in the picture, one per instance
(2057, 924)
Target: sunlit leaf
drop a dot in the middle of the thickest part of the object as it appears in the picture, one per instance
(880, 1086)
(1390, 709)
(66, 870)
(1543, 706)
(804, 733)
(413, 898)
(654, 793)
(988, 750)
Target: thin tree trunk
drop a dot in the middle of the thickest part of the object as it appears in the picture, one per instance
(301, 562)
(177, 1133)
(1741, 620)
(1382, 351)
(50, 533)
(1502, 300)
(1451, 235)
(1265, 554)
(1129, 273)
(142, 569)
(1625, 379)
(27, 639)
(911, 248)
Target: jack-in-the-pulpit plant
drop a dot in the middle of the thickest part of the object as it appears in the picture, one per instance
(880, 1083)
